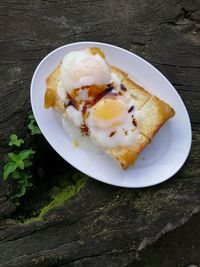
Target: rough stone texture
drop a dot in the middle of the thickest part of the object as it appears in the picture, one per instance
(102, 225)
(178, 248)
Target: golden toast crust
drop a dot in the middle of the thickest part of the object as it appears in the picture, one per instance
(126, 156)
(51, 97)
(155, 113)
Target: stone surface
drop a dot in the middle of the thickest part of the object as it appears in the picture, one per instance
(102, 225)
(178, 248)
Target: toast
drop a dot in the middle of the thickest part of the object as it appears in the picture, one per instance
(153, 112)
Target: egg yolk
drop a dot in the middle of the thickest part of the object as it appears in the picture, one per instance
(109, 113)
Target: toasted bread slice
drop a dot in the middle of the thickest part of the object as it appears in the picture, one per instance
(121, 74)
(154, 113)
(139, 94)
(126, 156)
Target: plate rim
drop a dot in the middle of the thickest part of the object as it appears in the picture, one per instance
(89, 43)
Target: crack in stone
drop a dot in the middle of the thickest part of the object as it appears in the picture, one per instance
(183, 15)
(169, 227)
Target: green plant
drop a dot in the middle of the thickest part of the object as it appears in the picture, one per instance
(32, 126)
(18, 164)
(17, 167)
(14, 141)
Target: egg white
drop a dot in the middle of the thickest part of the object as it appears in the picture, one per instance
(84, 142)
(81, 68)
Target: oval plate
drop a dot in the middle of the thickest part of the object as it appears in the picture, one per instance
(159, 161)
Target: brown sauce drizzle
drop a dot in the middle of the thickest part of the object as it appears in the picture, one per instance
(123, 88)
(95, 90)
(89, 103)
(100, 96)
(134, 122)
(66, 105)
(84, 129)
(126, 132)
(85, 115)
(120, 93)
(130, 109)
(84, 109)
(112, 133)
(72, 102)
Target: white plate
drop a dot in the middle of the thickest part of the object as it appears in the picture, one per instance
(159, 161)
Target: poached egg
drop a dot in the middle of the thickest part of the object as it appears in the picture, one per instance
(82, 68)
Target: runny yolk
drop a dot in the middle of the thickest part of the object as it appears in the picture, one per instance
(109, 112)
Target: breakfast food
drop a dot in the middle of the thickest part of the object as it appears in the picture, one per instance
(100, 103)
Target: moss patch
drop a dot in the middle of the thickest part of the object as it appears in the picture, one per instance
(60, 195)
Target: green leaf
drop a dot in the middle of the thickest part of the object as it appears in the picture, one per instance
(24, 176)
(31, 116)
(21, 192)
(25, 183)
(20, 164)
(31, 126)
(13, 137)
(21, 182)
(37, 130)
(21, 141)
(16, 174)
(14, 141)
(27, 163)
(8, 169)
(27, 175)
(25, 154)
(13, 156)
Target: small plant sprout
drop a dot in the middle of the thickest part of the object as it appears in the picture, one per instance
(17, 167)
(32, 126)
(15, 141)
(19, 162)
